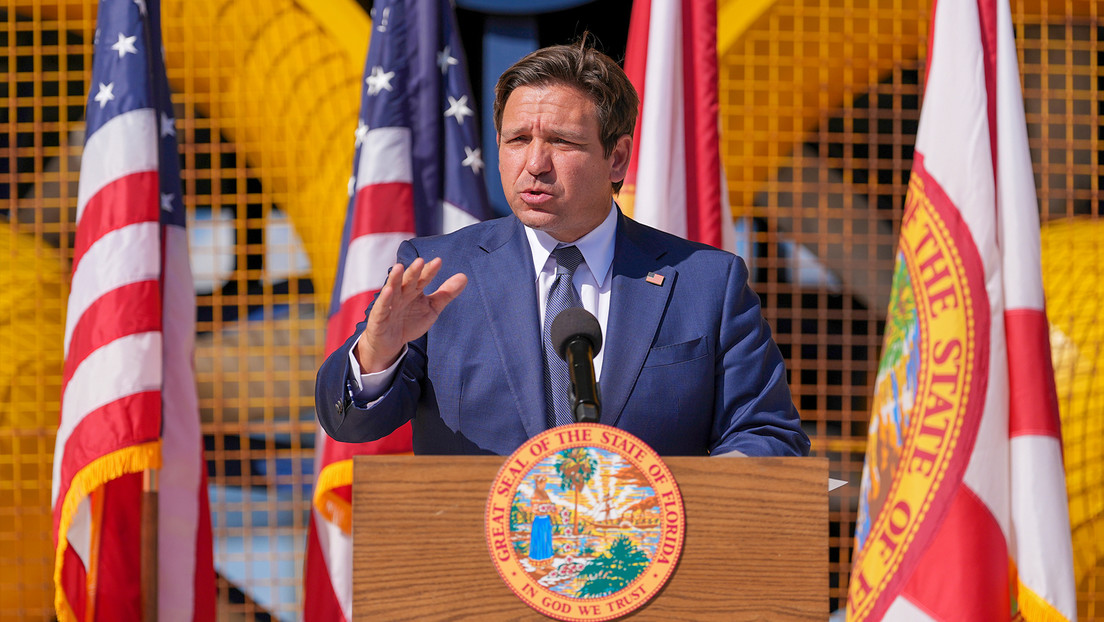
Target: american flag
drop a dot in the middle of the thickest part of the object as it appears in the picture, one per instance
(675, 181)
(128, 391)
(963, 512)
(418, 170)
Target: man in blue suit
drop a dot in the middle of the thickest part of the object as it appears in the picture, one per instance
(688, 363)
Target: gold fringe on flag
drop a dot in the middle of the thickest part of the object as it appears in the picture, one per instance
(334, 508)
(133, 459)
(1033, 608)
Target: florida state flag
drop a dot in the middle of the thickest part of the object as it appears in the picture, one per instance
(963, 512)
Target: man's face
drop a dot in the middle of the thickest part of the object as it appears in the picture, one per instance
(550, 157)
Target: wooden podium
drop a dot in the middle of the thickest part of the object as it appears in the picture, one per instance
(756, 543)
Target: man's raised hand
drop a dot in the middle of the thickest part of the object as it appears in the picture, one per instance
(404, 312)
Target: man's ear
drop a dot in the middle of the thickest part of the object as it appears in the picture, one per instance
(619, 158)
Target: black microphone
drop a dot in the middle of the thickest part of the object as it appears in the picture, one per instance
(578, 337)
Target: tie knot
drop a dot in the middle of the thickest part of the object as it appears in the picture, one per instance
(567, 259)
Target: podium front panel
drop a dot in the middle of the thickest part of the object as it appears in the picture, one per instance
(756, 543)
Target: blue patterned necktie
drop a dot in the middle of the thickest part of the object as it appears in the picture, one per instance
(557, 383)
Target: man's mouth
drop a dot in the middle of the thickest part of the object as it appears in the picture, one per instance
(535, 196)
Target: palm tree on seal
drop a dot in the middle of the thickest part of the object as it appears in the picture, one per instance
(575, 467)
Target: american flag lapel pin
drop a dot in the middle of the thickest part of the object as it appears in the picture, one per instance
(654, 279)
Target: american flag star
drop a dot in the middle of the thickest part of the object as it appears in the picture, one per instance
(458, 109)
(125, 45)
(379, 80)
(105, 94)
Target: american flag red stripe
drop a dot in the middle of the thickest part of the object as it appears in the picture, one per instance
(351, 312)
(112, 316)
(132, 255)
(100, 433)
(100, 215)
(414, 64)
(377, 219)
(399, 219)
(128, 394)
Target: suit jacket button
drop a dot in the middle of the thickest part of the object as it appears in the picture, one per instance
(339, 405)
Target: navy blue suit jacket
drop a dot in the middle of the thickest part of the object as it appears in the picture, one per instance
(689, 365)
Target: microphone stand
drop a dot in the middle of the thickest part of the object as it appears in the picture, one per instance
(585, 404)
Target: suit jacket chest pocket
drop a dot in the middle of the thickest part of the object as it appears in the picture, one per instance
(674, 354)
(671, 407)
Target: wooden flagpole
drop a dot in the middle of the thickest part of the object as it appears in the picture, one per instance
(149, 558)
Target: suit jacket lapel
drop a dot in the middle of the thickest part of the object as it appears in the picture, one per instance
(505, 280)
(636, 308)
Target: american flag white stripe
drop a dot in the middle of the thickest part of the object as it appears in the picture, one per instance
(80, 532)
(372, 254)
(384, 157)
(454, 218)
(90, 388)
(337, 550)
(117, 152)
(127, 255)
(676, 179)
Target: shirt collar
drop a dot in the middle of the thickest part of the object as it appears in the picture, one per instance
(596, 246)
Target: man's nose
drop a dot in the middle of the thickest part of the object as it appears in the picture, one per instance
(538, 159)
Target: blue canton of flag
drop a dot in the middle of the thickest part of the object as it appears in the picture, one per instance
(418, 170)
(129, 76)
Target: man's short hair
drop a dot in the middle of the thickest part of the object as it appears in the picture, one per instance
(581, 66)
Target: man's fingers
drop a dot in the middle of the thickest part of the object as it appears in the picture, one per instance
(404, 286)
(429, 272)
(448, 291)
(410, 287)
(388, 292)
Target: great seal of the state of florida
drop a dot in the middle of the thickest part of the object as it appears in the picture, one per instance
(585, 522)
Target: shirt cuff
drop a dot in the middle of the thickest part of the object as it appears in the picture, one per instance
(367, 388)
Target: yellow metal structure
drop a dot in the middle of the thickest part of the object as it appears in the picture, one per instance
(1073, 277)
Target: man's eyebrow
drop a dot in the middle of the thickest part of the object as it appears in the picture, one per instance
(572, 135)
(565, 133)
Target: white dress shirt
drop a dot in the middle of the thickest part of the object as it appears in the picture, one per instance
(592, 279)
(592, 282)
